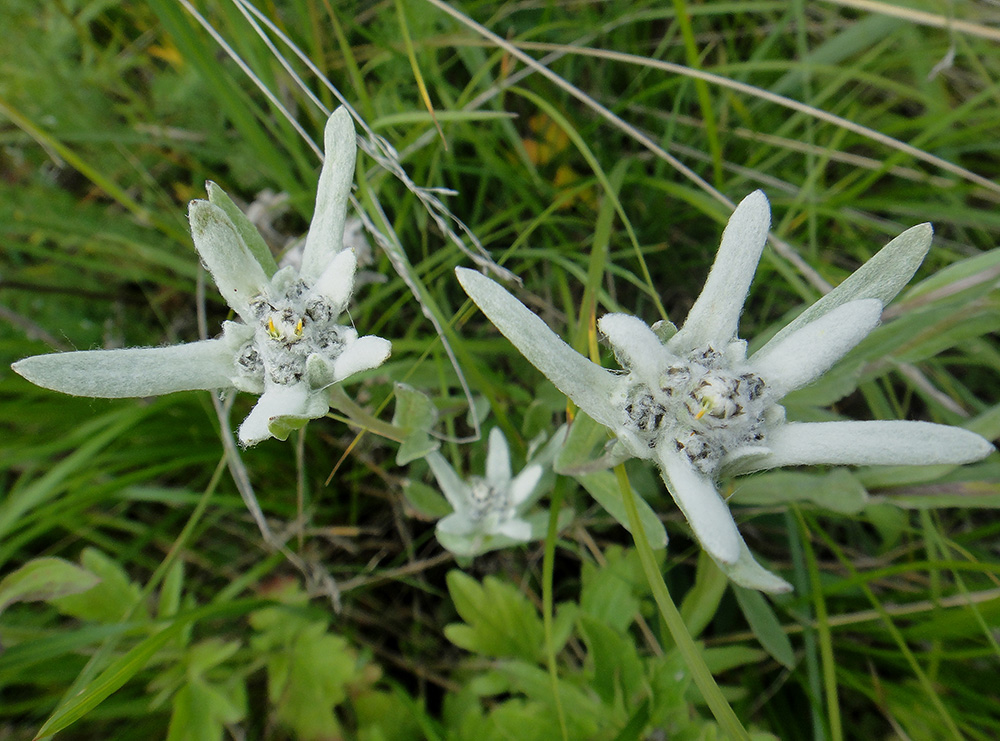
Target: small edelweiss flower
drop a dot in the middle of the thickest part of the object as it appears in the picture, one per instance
(287, 344)
(488, 509)
(694, 403)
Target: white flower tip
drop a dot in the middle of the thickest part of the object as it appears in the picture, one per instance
(336, 283)
(981, 448)
(200, 215)
(466, 277)
(365, 353)
(339, 127)
(44, 371)
(756, 208)
(748, 227)
(206, 217)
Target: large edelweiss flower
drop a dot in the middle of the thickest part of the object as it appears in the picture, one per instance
(287, 345)
(693, 402)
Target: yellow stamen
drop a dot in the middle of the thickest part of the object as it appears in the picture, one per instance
(298, 328)
(701, 412)
(271, 329)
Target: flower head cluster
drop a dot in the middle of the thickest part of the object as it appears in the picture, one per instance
(693, 402)
(287, 345)
(488, 510)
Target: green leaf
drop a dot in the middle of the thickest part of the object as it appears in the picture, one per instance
(583, 715)
(765, 625)
(107, 602)
(122, 669)
(499, 620)
(308, 670)
(610, 593)
(618, 671)
(603, 487)
(669, 680)
(426, 500)
(837, 490)
(109, 681)
(44, 579)
(201, 711)
(702, 600)
(171, 591)
(723, 658)
(415, 414)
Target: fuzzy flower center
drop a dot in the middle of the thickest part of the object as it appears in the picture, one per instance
(290, 327)
(486, 499)
(700, 407)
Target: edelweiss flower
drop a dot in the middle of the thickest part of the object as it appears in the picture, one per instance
(692, 401)
(287, 345)
(488, 510)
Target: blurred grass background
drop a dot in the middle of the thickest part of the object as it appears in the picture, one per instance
(112, 116)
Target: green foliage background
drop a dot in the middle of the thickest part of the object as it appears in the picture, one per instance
(112, 116)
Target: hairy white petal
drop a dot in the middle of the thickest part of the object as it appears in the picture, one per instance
(523, 485)
(326, 232)
(246, 229)
(137, 371)
(277, 406)
(233, 267)
(881, 278)
(363, 354)
(456, 524)
(515, 529)
(702, 505)
(806, 354)
(498, 460)
(715, 315)
(636, 346)
(454, 489)
(589, 385)
(748, 573)
(337, 281)
(878, 443)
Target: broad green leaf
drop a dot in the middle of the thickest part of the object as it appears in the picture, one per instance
(107, 602)
(426, 500)
(723, 658)
(499, 620)
(669, 680)
(44, 579)
(765, 625)
(201, 711)
(308, 670)
(702, 600)
(415, 414)
(392, 716)
(603, 487)
(837, 490)
(610, 593)
(618, 672)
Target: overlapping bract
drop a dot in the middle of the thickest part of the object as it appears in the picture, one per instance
(700, 408)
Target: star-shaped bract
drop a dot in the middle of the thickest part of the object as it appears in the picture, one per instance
(286, 345)
(700, 408)
(488, 510)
